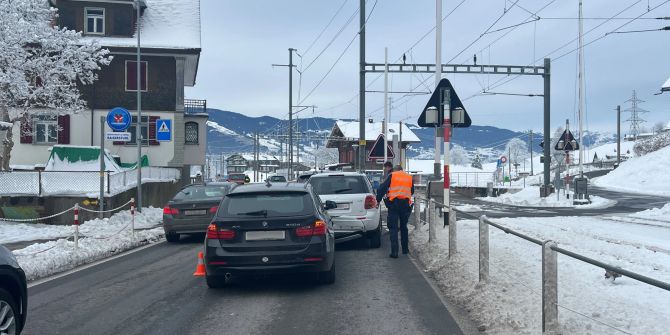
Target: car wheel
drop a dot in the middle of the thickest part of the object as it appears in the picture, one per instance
(375, 236)
(328, 277)
(172, 237)
(215, 282)
(9, 314)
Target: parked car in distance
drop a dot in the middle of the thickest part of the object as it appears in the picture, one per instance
(191, 210)
(237, 178)
(270, 228)
(13, 294)
(277, 179)
(357, 214)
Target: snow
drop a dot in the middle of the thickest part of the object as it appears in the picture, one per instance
(350, 129)
(646, 174)
(165, 24)
(98, 238)
(6, 125)
(609, 149)
(510, 302)
(221, 129)
(530, 197)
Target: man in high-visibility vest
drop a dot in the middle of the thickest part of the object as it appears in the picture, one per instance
(398, 189)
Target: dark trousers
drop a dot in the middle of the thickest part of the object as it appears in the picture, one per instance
(398, 215)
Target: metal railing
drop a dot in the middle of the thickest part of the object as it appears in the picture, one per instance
(471, 179)
(44, 183)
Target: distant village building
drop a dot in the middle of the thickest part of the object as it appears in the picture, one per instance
(170, 48)
(345, 134)
(246, 162)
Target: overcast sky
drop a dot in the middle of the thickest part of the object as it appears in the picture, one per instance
(242, 39)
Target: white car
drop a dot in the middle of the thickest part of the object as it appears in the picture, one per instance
(357, 214)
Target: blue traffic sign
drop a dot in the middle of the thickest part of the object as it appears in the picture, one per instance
(119, 119)
(163, 130)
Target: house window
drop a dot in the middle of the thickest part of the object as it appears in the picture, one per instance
(191, 132)
(95, 21)
(131, 75)
(144, 129)
(46, 129)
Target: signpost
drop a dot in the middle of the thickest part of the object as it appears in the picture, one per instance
(118, 119)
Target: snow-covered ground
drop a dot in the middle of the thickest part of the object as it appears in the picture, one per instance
(98, 238)
(645, 174)
(530, 197)
(510, 303)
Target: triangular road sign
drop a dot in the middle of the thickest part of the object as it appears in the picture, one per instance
(377, 150)
(454, 103)
(163, 128)
(567, 142)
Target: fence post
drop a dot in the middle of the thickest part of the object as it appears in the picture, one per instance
(417, 212)
(76, 226)
(132, 220)
(452, 233)
(431, 221)
(549, 288)
(108, 185)
(483, 249)
(39, 183)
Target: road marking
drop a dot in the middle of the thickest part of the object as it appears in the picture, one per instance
(89, 265)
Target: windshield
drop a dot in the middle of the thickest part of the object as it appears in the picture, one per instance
(267, 204)
(339, 185)
(201, 192)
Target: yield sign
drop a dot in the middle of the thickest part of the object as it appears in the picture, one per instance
(436, 101)
(567, 142)
(377, 150)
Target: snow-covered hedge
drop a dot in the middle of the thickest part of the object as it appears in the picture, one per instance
(647, 145)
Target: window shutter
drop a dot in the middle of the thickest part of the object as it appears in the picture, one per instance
(131, 76)
(152, 130)
(63, 129)
(26, 131)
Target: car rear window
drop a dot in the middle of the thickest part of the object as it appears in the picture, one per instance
(277, 178)
(339, 185)
(236, 176)
(267, 204)
(201, 192)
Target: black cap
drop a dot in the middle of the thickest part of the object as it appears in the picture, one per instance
(388, 164)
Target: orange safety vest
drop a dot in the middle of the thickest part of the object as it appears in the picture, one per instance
(401, 186)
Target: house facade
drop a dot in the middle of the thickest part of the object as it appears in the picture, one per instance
(170, 53)
(246, 162)
(345, 137)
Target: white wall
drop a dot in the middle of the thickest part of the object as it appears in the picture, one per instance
(195, 154)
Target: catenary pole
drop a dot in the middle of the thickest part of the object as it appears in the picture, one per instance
(531, 152)
(618, 135)
(581, 91)
(547, 124)
(138, 127)
(385, 124)
(290, 112)
(102, 166)
(361, 89)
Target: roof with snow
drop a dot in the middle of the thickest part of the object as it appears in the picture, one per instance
(165, 24)
(666, 86)
(350, 130)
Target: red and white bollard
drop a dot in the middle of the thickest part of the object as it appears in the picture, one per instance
(76, 226)
(132, 215)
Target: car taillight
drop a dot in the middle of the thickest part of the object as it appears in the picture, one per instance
(170, 210)
(214, 209)
(316, 229)
(370, 202)
(213, 232)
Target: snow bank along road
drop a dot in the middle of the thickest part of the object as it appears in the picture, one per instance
(152, 291)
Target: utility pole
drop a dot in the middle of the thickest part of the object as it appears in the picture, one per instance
(361, 89)
(581, 91)
(618, 135)
(386, 103)
(531, 151)
(290, 107)
(547, 126)
(438, 77)
(138, 127)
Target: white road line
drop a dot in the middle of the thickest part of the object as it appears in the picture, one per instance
(89, 265)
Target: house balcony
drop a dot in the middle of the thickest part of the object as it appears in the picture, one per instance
(195, 106)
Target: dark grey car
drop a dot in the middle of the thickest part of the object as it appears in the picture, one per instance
(13, 294)
(192, 209)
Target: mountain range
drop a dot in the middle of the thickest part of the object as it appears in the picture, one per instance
(230, 133)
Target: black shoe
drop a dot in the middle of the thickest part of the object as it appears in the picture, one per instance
(405, 252)
(393, 255)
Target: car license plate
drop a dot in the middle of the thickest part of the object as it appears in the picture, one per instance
(195, 212)
(270, 235)
(344, 206)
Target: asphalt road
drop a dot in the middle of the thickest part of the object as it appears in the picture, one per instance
(626, 203)
(152, 291)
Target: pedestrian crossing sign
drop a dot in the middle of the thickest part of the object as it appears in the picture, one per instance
(163, 130)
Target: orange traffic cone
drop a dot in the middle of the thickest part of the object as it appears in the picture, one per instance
(200, 269)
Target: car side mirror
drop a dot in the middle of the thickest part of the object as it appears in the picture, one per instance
(330, 205)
